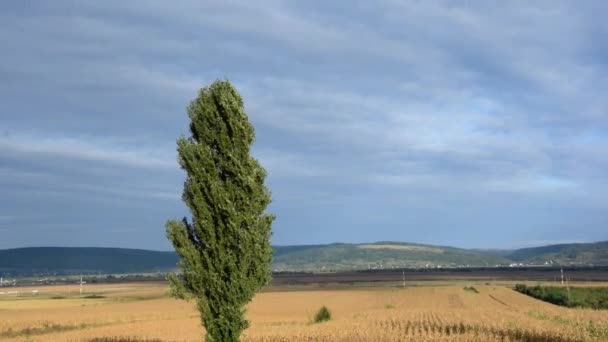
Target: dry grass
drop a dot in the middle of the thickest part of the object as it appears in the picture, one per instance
(142, 312)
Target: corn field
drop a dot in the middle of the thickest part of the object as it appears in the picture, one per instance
(143, 312)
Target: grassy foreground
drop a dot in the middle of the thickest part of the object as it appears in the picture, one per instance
(456, 312)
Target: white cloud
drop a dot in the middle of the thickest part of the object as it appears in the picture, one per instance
(86, 148)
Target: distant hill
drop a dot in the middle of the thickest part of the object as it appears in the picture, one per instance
(564, 254)
(378, 255)
(330, 257)
(84, 259)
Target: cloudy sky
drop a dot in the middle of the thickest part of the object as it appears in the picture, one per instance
(465, 123)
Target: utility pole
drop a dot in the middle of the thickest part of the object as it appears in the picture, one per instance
(81, 283)
(403, 279)
(562, 272)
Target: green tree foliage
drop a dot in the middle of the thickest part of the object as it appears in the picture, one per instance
(584, 297)
(225, 250)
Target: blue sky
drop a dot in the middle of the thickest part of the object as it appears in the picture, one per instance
(465, 123)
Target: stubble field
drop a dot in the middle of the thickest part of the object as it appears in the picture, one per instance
(426, 312)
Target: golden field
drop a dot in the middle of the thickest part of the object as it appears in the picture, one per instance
(428, 312)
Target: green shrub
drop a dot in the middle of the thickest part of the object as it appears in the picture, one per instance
(322, 315)
(584, 297)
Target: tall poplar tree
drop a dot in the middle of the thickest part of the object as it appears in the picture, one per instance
(225, 249)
